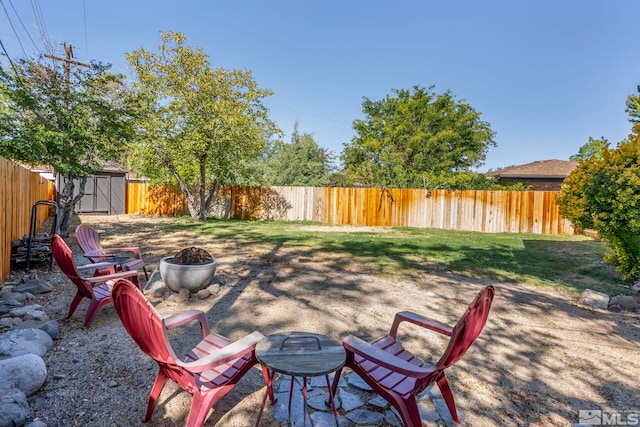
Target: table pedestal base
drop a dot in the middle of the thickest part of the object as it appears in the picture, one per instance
(268, 375)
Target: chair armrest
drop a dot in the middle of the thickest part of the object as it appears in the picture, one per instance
(109, 277)
(416, 319)
(226, 354)
(186, 317)
(135, 250)
(382, 358)
(93, 266)
(105, 277)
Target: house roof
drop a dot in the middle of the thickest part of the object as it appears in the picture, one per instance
(540, 169)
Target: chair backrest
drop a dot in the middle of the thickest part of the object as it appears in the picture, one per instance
(468, 328)
(64, 258)
(145, 326)
(88, 239)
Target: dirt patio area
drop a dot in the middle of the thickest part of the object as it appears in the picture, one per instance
(539, 360)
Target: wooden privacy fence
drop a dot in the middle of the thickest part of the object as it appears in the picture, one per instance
(20, 189)
(470, 210)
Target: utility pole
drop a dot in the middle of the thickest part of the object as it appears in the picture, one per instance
(68, 54)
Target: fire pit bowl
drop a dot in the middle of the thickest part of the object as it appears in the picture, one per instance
(190, 269)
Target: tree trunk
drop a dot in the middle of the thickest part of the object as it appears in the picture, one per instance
(202, 215)
(193, 210)
(67, 202)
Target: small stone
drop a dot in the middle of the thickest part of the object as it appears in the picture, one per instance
(29, 277)
(213, 289)
(349, 400)
(59, 376)
(379, 401)
(182, 296)
(363, 416)
(203, 294)
(161, 293)
(358, 382)
(636, 286)
(112, 384)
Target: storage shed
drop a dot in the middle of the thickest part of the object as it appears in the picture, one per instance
(104, 193)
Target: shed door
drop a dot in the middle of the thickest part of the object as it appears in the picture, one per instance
(97, 193)
(102, 198)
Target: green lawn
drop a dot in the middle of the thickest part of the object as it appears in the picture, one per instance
(572, 263)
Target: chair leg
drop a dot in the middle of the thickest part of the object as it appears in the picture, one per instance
(156, 389)
(445, 390)
(200, 406)
(94, 307)
(74, 304)
(146, 274)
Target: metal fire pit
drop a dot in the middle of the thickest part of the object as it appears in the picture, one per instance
(191, 269)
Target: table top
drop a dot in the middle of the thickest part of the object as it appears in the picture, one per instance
(300, 354)
(108, 262)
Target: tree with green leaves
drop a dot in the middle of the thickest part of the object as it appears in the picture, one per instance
(302, 162)
(200, 125)
(633, 107)
(604, 195)
(73, 120)
(417, 139)
(590, 150)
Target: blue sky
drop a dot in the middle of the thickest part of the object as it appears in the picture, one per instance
(546, 74)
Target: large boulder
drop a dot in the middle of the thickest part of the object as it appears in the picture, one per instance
(594, 299)
(26, 373)
(22, 341)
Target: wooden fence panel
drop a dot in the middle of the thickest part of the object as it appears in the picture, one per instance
(469, 210)
(20, 189)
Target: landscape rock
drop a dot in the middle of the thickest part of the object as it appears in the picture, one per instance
(26, 373)
(162, 292)
(30, 312)
(22, 341)
(203, 294)
(594, 299)
(51, 327)
(34, 286)
(14, 409)
(9, 322)
(623, 302)
(13, 297)
(214, 289)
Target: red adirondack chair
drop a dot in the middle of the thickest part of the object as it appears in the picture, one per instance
(210, 370)
(398, 376)
(89, 242)
(99, 295)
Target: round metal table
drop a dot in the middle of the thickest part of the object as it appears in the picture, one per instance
(299, 354)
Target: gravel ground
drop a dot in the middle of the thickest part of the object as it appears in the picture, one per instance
(539, 360)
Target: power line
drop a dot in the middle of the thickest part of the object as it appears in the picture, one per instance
(23, 26)
(6, 12)
(8, 57)
(84, 10)
(37, 12)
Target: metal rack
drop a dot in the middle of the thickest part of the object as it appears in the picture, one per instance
(32, 227)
